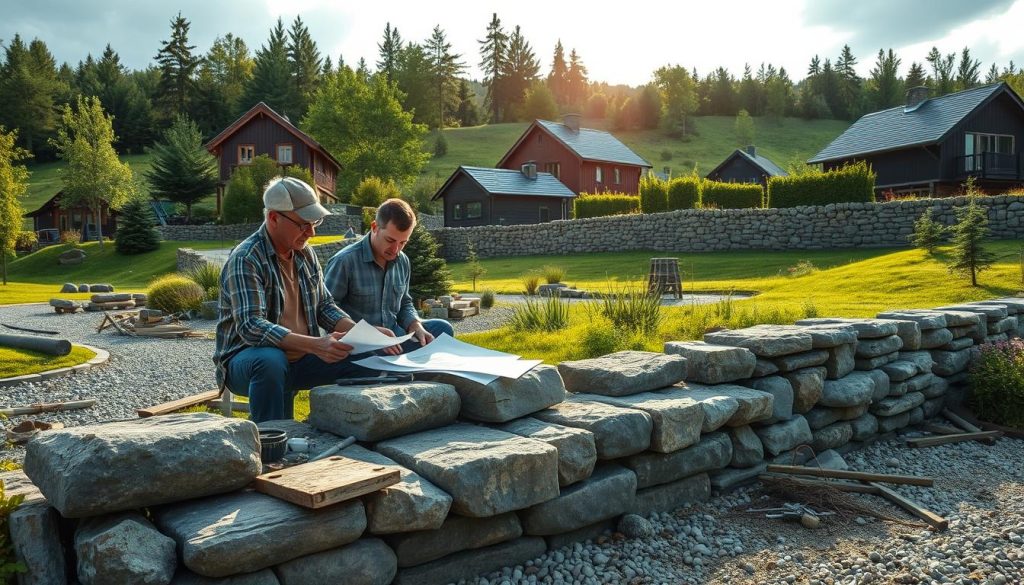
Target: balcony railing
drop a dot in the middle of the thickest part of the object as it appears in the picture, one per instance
(990, 165)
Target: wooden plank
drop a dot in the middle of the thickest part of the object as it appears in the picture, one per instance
(842, 485)
(48, 407)
(960, 421)
(943, 439)
(844, 474)
(326, 482)
(176, 405)
(940, 429)
(937, 522)
(969, 417)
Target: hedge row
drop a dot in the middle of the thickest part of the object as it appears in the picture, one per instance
(587, 205)
(653, 194)
(852, 183)
(684, 193)
(731, 195)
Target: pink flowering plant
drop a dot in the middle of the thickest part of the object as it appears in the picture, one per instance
(996, 381)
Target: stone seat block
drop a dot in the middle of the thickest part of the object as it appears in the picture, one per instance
(707, 363)
(854, 389)
(382, 411)
(718, 409)
(577, 451)
(865, 328)
(623, 373)
(754, 405)
(617, 431)
(484, 470)
(924, 318)
(506, 399)
(936, 338)
(796, 361)
(898, 405)
(676, 420)
(785, 435)
(766, 341)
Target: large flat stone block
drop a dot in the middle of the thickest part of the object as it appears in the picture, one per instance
(807, 359)
(854, 389)
(924, 318)
(506, 399)
(623, 373)
(607, 493)
(936, 338)
(766, 341)
(123, 548)
(891, 423)
(484, 470)
(714, 451)
(747, 449)
(753, 405)
(248, 531)
(865, 328)
(717, 409)
(458, 533)
(785, 435)
(713, 364)
(577, 451)
(872, 348)
(841, 361)
(832, 437)
(882, 384)
(617, 431)
(821, 416)
(730, 477)
(411, 504)
(667, 497)
(864, 427)
(894, 406)
(469, 564)
(98, 469)
(808, 385)
(364, 562)
(900, 370)
(948, 363)
(676, 419)
(782, 397)
(35, 535)
(382, 411)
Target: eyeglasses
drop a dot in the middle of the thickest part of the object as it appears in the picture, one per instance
(303, 226)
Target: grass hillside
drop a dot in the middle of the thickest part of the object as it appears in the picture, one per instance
(783, 141)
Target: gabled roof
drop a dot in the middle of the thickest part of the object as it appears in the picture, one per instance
(55, 201)
(766, 165)
(509, 182)
(899, 127)
(264, 109)
(588, 144)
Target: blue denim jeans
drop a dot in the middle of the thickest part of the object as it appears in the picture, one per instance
(270, 381)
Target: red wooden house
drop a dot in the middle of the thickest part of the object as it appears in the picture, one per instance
(261, 130)
(585, 160)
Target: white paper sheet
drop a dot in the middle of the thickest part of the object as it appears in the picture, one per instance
(364, 337)
(446, 354)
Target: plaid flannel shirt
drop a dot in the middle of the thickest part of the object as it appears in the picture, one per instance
(364, 290)
(251, 299)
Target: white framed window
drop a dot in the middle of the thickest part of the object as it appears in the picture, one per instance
(599, 174)
(474, 210)
(976, 143)
(284, 154)
(457, 211)
(246, 152)
(618, 176)
(554, 168)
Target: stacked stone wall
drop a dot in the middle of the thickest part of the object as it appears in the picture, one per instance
(491, 475)
(335, 224)
(840, 225)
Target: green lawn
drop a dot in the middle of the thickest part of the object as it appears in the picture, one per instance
(783, 141)
(845, 283)
(20, 362)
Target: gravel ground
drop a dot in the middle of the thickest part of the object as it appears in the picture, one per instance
(978, 488)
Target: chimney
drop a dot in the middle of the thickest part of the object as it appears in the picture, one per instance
(529, 169)
(572, 121)
(751, 150)
(915, 97)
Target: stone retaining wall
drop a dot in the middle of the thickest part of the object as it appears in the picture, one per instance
(491, 475)
(333, 225)
(840, 225)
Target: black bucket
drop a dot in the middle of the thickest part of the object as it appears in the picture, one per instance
(273, 443)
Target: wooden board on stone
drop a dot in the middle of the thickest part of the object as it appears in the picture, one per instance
(322, 483)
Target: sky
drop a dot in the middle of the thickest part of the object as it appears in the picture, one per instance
(619, 42)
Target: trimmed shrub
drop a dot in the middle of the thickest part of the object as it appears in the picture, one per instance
(71, 237)
(587, 205)
(851, 183)
(732, 195)
(996, 380)
(175, 293)
(684, 193)
(653, 194)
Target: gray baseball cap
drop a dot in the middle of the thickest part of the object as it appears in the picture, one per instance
(291, 194)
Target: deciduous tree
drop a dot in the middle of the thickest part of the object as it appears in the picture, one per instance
(13, 183)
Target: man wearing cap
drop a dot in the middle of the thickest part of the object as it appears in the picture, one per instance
(370, 279)
(273, 303)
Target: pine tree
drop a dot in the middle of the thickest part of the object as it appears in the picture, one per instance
(744, 126)
(182, 171)
(969, 256)
(445, 67)
(223, 75)
(271, 80)
(389, 50)
(28, 92)
(416, 83)
(493, 52)
(849, 85)
(576, 81)
(928, 233)
(993, 75)
(885, 83)
(722, 96)
(916, 76)
(474, 269)
(305, 61)
(430, 276)
(467, 113)
(968, 72)
(136, 231)
(520, 71)
(750, 93)
(177, 67)
(558, 77)
(13, 184)
(942, 71)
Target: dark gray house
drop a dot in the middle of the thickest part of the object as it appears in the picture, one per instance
(746, 166)
(481, 196)
(929, 146)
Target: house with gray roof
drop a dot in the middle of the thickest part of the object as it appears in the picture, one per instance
(930, 146)
(746, 166)
(480, 196)
(584, 159)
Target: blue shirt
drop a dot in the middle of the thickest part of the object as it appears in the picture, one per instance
(364, 290)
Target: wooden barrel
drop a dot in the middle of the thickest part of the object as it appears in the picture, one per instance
(664, 277)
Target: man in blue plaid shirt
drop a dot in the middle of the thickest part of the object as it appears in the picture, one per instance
(273, 303)
(370, 279)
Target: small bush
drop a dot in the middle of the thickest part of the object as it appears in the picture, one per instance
(24, 241)
(552, 274)
(531, 280)
(996, 380)
(599, 338)
(474, 269)
(137, 233)
(631, 310)
(854, 182)
(801, 268)
(732, 195)
(243, 201)
(372, 191)
(666, 155)
(684, 193)
(487, 299)
(928, 233)
(369, 215)
(71, 237)
(175, 293)
(207, 276)
(587, 205)
(440, 145)
(653, 194)
(551, 314)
